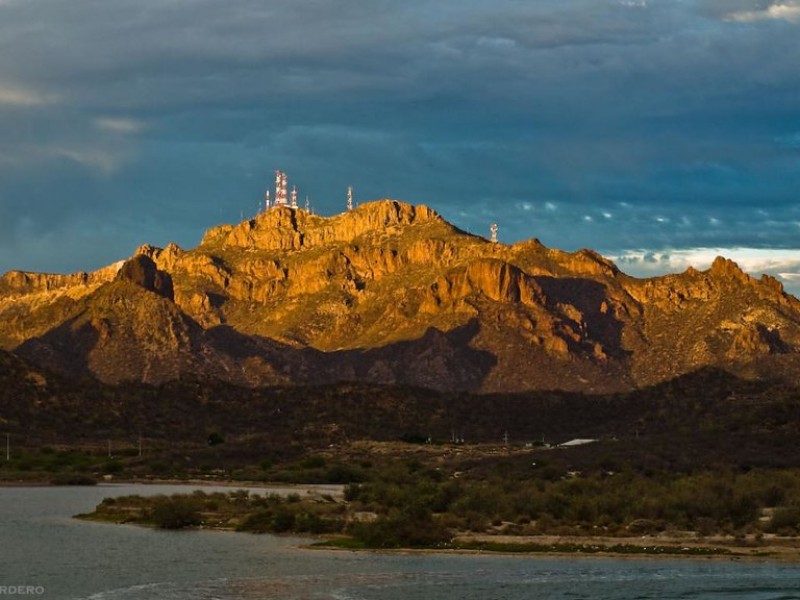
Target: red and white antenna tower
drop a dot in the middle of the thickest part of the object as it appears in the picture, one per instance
(294, 197)
(280, 193)
(284, 187)
(493, 229)
(349, 197)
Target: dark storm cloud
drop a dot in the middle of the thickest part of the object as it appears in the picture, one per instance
(620, 125)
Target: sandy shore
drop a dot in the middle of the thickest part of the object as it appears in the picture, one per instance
(666, 547)
(768, 547)
(335, 490)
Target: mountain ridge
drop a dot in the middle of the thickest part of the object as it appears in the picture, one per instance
(392, 293)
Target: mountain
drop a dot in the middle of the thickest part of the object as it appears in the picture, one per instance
(392, 293)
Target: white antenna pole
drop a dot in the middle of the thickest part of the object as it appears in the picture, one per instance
(493, 229)
(349, 197)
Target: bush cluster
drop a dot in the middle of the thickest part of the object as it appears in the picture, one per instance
(623, 503)
(175, 513)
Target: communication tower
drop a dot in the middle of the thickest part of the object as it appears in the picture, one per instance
(280, 189)
(308, 205)
(493, 229)
(284, 187)
(350, 197)
(266, 201)
(294, 197)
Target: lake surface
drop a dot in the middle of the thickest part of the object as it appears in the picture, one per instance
(58, 557)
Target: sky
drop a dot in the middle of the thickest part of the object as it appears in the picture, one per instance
(658, 132)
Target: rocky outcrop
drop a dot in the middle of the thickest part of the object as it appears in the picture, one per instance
(493, 279)
(283, 228)
(24, 282)
(754, 340)
(143, 272)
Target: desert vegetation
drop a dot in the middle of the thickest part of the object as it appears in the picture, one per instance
(410, 505)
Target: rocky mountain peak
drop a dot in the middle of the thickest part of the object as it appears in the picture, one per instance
(283, 228)
(142, 271)
(725, 268)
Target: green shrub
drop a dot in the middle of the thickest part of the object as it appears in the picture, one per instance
(174, 513)
(73, 479)
(257, 522)
(283, 520)
(275, 519)
(785, 519)
(409, 528)
(352, 492)
(215, 439)
(113, 466)
(313, 462)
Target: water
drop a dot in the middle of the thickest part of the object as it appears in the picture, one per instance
(62, 558)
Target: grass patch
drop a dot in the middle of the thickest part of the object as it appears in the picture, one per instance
(533, 548)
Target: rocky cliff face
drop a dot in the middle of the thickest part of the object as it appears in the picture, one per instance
(392, 293)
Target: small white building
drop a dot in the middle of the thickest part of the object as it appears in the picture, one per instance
(577, 442)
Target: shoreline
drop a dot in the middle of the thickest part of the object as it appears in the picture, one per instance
(329, 488)
(598, 547)
(767, 549)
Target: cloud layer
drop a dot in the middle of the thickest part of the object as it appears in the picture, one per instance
(620, 125)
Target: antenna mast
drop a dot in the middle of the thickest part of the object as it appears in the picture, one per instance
(280, 188)
(493, 229)
(349, 197)
(294, 197)
(266, 201)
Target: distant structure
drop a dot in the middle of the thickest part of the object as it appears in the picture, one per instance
(493, 229)
(282, 195)
(280, 188)
(349, 197)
